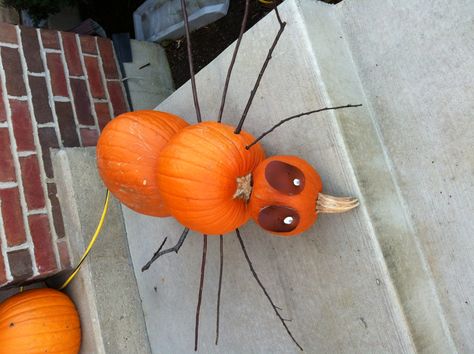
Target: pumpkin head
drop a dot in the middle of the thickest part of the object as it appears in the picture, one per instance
(127, 152)
(284, 194)
(199, 173)
(39, 321)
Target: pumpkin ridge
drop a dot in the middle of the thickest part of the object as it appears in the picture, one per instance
(34, 297)
(46, 331)
(219, 146)
(151, 118)
(57, 306)
(233, 142)
(229, 163)
(205, 168)
(220, 165)
(241, 149)
(186, 179)
(157, 132)
(198, 208)
(190, 198)
(232, 217)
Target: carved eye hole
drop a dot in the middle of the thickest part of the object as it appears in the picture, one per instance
(278, 218)
(284, 177)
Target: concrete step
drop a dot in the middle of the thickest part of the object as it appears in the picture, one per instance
(384, 278)
(104, 290)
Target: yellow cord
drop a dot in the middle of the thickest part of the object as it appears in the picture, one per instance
(91, 243)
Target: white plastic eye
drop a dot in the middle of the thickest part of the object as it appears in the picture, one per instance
(296, 182)
(288, 220)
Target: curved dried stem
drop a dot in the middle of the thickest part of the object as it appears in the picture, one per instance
(329, 204)
(160, 253)
(190, 60)
(234, 56)
(219, 288)
(259, 282)
(283, 121)
(201, 286)
(262, 71)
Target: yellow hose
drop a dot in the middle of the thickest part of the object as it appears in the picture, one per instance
(91, 243)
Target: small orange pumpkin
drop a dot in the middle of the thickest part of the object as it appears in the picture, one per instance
(284, 194)
(127, 152)
(39, 321)
(199, 173)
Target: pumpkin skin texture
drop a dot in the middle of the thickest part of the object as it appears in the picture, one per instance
(275, 195)
(197, 176)
(127, 151)
(39, 321)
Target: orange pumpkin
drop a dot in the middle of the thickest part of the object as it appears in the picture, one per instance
(200, 175)
(39, 321)
(284, 194)
(127, 152)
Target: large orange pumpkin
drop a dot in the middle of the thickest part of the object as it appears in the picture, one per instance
(200, 173)
(127, 152)
(284, 195)
(39, 321)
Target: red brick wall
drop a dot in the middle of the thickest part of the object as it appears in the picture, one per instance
(57, 90)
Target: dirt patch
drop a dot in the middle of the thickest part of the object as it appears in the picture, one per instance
(208, 42)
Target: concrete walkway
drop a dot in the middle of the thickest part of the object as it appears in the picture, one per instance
(385, 278)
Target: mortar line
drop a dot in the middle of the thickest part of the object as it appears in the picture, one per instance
(17, 98)
(4, 246)
(9, 45)
(8, 185)
(88, 87)
(39, 158)
(69, 90)
(16, 160)
(26, 153)
(42, 211)
(37, 74)
(49, 88)
(21, 247)
(51, 50)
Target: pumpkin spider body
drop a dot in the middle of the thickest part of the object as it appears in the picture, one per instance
(127, 152)
(199, 173)
(39, 321)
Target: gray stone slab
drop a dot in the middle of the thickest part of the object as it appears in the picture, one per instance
(152, 84)
(104, 290)
(416, 67)
(332, 281)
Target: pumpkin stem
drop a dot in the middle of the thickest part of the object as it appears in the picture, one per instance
(330, 205)
(244, 187)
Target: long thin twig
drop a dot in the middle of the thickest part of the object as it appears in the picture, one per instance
(234, 56)
(221, 268)
(190, 60)
(297, 116)
(275, 308)
(160, 253)
(201, 285)
(262, 71)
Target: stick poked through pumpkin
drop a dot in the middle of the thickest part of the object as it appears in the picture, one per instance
(212, 177)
